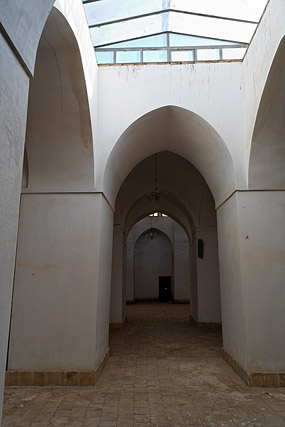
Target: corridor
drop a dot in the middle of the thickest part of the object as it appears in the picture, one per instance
(162, 372)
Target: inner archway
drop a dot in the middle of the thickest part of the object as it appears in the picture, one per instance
(192, 207)
(157, 254)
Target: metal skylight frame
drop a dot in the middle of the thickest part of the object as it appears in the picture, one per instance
(168, 19)
(170, 49)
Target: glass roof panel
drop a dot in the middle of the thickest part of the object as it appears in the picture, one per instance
(180, 40)
(128, 57)
(127, 30)
(155, 56)
(182, 56)
(208, 55)
(105, 57)
(111, 10)
(153, 41)
(210, 27)
(237, 53)
(249, 10)
(173, 24)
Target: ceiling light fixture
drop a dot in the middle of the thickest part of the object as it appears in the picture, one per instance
(151, 232)
(156, 194)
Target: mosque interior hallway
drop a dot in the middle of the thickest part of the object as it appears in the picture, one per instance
(162, 371)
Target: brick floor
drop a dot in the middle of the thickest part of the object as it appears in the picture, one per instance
(162, 372)
(158, 312)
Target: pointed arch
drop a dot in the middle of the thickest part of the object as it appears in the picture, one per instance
(178, 130)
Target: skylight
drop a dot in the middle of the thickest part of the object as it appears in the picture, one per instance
(135, 31)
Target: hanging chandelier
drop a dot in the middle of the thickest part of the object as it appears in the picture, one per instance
(151, 232)
(156, 194)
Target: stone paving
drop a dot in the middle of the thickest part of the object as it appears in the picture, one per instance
(162, 372)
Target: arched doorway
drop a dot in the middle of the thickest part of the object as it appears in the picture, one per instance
(152, 263)
(166, 244)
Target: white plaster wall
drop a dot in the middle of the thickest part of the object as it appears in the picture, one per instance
(57, 299)
(14, 86)
(130, 296)
(194, 307)
(117, 285)
(181, 265)
(152, 258)
(208, 277)
(104, 269)
(124, 293)
(262, 243)
(251, 250)
(235, 339)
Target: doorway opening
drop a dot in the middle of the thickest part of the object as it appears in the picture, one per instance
(157, 261)
(165, 294)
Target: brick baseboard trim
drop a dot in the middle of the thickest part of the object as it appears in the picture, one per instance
(255, 379)
(117, 326)
(56, 378)
(214, 326)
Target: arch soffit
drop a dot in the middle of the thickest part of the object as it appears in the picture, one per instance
(75, 15)
(173, 186)
(267, 151)
(58, 46)
(181, 131)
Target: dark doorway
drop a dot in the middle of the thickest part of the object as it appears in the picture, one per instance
(165, 288)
